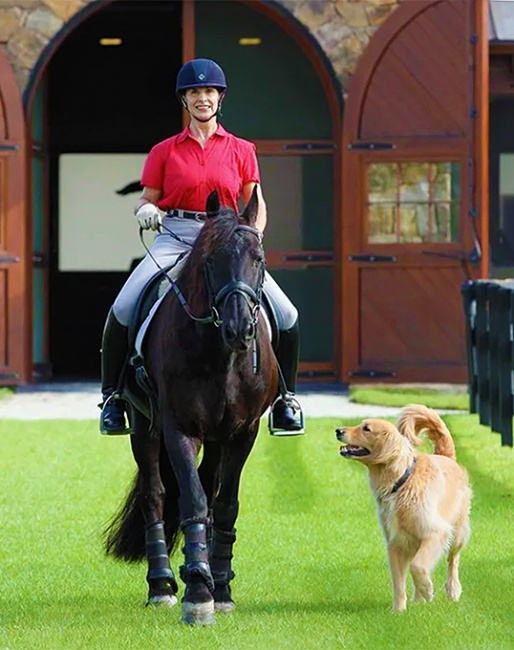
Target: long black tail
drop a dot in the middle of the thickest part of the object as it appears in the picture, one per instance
(124, 536)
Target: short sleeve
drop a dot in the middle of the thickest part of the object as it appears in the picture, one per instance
(153, 169)
(250, 166)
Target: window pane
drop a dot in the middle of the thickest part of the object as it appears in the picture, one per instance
(382, 224)
(414, 223)
(442, 181)
(414, 182)
(413, 202)
(443, 222)
(382, 183)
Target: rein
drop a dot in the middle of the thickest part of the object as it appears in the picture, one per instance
(252, 296)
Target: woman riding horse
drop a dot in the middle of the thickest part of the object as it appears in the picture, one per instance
(178, 175)
(209, 360)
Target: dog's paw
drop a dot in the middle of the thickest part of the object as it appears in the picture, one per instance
(453, 589)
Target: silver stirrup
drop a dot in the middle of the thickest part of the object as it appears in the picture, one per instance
(290, 400)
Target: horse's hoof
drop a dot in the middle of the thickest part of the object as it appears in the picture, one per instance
(225, 607)
(162, 601)
(198, 613)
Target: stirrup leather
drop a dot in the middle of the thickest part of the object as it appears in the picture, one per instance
(291, 401)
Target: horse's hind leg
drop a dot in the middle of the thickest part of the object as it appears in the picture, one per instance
(225, 511)
(162, 585)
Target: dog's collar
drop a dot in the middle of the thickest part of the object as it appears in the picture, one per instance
(404, 477)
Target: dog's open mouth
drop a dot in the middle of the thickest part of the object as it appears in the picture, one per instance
(353, 450)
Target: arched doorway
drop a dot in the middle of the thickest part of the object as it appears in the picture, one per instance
(103, 110)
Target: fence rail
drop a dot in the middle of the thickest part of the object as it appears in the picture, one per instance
(489, 314)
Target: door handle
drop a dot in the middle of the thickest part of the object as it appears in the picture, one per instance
(9, 259)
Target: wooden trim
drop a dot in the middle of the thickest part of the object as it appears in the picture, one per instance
(11, 104)
(188, 30)
(188, 41)
(17, 228)
(317, 372)
(481, 130)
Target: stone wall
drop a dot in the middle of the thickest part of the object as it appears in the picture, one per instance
(341, 27)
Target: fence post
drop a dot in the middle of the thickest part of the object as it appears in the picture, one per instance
(470, 308)
(504, 328)
(482, 344)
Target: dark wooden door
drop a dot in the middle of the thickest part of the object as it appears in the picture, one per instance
(14, 262)
(280, 98)
(412, 171)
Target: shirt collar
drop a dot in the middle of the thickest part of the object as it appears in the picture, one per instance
(186, 133)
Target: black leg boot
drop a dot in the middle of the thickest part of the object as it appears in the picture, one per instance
(114, 356)
(286, 416)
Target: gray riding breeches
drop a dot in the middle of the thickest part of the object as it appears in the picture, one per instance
(165, 251)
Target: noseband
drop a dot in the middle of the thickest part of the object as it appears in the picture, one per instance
(217, 300)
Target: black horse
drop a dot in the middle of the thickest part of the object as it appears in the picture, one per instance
(210, 361)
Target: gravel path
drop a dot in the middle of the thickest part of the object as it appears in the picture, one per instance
(78, 401)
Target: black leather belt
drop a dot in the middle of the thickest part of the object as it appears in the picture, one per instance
(185, 214)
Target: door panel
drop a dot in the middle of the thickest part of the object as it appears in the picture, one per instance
(14, 260)
(389, 335)
(276, 98)
(411, 236)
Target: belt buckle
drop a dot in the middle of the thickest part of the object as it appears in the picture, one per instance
(199, 216)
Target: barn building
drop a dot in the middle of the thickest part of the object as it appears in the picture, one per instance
(385, 139)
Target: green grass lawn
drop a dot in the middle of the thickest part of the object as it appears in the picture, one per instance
(400, 395)
(310, 562)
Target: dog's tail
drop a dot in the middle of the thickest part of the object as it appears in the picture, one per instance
(415, 418)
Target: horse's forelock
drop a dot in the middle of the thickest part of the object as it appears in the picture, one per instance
(216, 232)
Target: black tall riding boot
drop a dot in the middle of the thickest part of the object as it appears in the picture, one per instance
(286, 417)
(114, 356)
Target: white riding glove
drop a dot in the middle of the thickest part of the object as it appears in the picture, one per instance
(149, 217)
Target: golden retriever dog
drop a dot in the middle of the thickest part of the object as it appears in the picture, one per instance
(423, 500)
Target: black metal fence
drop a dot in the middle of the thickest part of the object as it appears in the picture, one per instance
(489, 313)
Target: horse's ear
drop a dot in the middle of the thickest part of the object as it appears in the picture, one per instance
(213, 204)
(249, 215)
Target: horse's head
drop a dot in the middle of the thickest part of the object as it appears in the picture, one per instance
(234, 269)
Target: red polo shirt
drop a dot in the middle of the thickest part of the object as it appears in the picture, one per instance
(187, 173)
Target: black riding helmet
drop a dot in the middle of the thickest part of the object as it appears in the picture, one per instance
(201, 73)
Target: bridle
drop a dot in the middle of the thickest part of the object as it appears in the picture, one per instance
(253, 295)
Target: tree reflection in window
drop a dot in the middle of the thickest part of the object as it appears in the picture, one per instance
(413, 202)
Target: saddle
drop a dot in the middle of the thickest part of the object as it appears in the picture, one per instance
(137, 385)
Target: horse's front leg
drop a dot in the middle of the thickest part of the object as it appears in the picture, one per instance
(162, 586)
(197, 603)
(225, 511)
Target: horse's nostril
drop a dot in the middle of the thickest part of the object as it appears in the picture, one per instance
(230, 333)
(250, 331)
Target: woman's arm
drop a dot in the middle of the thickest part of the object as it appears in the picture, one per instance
(262, 216)
(148, 195)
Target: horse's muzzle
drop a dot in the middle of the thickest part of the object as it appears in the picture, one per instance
(238, 336)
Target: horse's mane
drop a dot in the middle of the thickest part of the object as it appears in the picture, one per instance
(216, 234)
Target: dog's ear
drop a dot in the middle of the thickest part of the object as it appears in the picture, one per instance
(407, 426)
